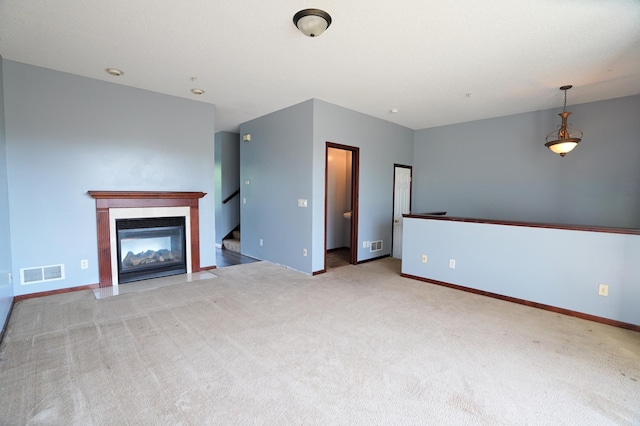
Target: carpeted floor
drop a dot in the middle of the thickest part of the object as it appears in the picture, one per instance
(261, 344)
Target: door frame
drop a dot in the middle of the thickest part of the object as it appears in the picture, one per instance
(393, 199)
(355, 190)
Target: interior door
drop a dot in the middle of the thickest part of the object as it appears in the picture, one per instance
(401, 204)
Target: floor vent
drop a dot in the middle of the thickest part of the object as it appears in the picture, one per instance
(375, 245)
(41, 274)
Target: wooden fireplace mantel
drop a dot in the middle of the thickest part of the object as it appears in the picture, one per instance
(135, 199)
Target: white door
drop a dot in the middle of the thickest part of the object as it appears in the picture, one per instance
(401, 205)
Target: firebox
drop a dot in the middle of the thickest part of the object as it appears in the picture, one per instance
(150, 248)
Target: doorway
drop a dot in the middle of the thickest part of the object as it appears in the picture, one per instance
(401, 204)
(342, 164)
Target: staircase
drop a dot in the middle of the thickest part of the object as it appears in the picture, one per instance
(232, 241)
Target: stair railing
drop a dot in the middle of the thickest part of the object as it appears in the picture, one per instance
(230, 197)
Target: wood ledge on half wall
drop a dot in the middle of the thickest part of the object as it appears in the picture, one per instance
(588, 228)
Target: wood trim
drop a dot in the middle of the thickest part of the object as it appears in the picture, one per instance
(355, 204)
(321, 271)
(53, 292)
(135, 199)
(6, 320)
(104, 247)
(144, 194)
(355, 198)
(194, 217)
(208, 268)
(555, 309)
(630, 231)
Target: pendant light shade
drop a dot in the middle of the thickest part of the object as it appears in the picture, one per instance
(565, 138)
(312, 22)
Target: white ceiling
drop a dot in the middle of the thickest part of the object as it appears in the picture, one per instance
(439, 62)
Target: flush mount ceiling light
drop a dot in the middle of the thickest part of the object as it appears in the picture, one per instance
(312, 22)
(197, 91)
(565, 138)
(114, 72)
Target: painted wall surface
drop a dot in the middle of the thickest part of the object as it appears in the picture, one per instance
(560, 268)
(66, 135)
(277, 162)
(381, 145)
(338, 200)
(6, 288)
(500, 169)
(227, 181)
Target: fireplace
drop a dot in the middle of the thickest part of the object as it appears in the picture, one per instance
(112, 206)
(150, 248)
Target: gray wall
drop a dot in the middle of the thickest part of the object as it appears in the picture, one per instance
(500, 169)
(381, 145)
(277, 164)
(227, 181)
(6, 289)
(66, 135)
(561, 268)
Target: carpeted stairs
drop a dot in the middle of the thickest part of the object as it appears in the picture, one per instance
(232, 242)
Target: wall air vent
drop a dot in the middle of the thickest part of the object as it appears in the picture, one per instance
(375, 245)
(41, 274)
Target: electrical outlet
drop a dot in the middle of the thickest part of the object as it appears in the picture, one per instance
(10, 278)
(261, 242)
(452, 263)
(84, 264)
(424, 258)
(302, 202)
(603, 290)
(244, 201)
(304, 252)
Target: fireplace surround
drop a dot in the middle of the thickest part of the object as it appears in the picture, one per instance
(114, 205)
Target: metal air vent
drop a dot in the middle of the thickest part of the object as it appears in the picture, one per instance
(375, 245)
(41, 274)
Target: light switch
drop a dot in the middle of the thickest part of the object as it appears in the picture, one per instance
(302, 202)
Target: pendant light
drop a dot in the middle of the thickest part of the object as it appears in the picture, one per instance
(312, 22)
(565, 138)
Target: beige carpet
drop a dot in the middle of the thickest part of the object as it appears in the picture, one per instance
(261, 344)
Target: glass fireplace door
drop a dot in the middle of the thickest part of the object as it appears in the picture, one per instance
(150, 248)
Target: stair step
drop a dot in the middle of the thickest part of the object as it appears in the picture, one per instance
(232, 245)
(236, 235)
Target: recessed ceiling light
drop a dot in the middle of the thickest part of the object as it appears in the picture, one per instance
(197, 91)
(114, 72)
